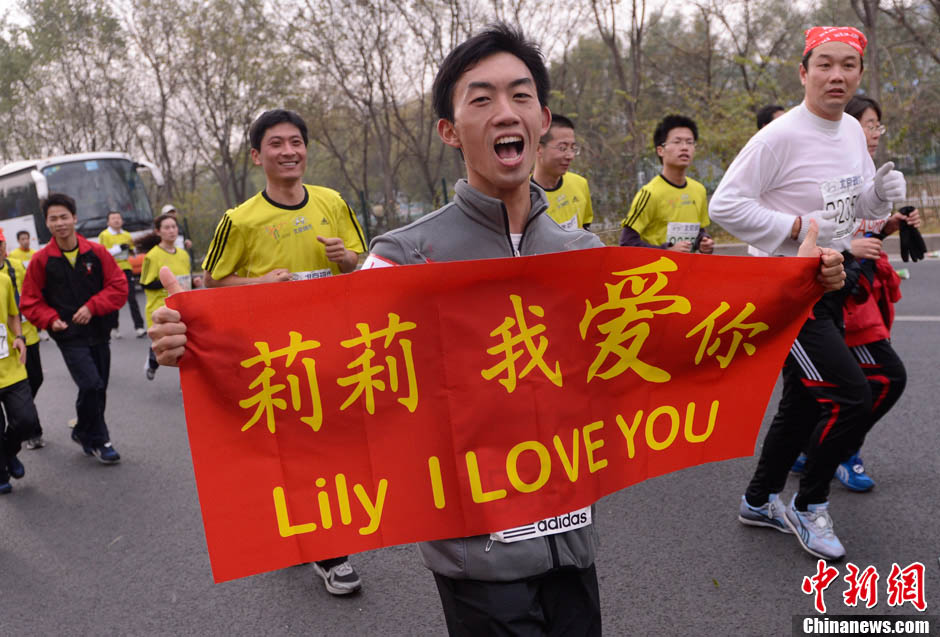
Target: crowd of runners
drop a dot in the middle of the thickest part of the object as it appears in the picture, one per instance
(804, 185)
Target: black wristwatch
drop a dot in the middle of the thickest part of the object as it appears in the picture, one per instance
(19, 336)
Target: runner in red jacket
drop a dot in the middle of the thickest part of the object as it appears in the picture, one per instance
(73, 289)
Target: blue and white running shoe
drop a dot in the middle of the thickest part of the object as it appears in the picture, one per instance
(769, 515)
(813, 528)
(852, 474)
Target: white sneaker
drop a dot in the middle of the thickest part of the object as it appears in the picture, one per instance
(141, 332)
(44, 335)
(813, 529)
(115, 333)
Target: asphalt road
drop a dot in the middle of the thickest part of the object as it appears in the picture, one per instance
(87, 549)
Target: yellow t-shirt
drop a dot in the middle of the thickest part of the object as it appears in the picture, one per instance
(109, 239)
(71, 255)
(22, 255)
(570, 203)
(260, 235)
(11, 370)
(664, 212)
(30, 333)
(179, 264)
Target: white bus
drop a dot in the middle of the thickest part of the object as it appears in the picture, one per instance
(99, 183)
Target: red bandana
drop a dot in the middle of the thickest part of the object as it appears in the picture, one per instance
(849, 35)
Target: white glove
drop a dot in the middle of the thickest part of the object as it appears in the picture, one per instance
(825, 219)
(889, 183)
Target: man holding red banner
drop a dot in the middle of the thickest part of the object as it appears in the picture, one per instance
(490, 94)
(812, 165)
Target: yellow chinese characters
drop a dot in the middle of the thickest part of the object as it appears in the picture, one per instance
(630, 325)
(736, 326)
(266, 400)
(365, 380)
(509, 349)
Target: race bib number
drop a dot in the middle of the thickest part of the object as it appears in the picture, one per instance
(310, 274)
(548, 526)
(4, 344)
(840, 194)
(185, 281)
(123, 254)
(676, 232)
(571, 224)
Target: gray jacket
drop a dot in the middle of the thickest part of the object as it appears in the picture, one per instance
(475, 226)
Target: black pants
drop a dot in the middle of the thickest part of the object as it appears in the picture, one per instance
(18, 419)
(885, 373)
(152, 360)
(560, 602)
(34, 372)
(90, 366)
(826, 407)
(136, 316)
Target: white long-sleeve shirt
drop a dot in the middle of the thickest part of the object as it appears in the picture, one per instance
(797, 164)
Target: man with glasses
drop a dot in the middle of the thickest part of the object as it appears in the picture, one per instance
(671, 211)
(569, 198)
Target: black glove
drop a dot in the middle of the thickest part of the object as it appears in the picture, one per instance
(912, 243)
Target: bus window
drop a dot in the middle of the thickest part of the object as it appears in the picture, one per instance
(100, 186)
(18, 196)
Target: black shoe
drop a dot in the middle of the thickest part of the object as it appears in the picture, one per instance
(15, 467)
(85, 448)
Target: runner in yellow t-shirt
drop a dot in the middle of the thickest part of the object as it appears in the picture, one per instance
(18, 418)
(568, 194)
(121, 245)
(15, 269)
(288, 231)
(166, 254)
(671, 211)
(23, 251)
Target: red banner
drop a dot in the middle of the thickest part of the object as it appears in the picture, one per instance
(411, 403)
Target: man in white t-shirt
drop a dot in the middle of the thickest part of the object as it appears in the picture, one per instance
(810, 164)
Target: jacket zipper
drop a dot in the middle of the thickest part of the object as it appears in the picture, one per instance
(553, 547)
(514, 252)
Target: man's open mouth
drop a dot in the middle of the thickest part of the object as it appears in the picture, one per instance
(509, 147)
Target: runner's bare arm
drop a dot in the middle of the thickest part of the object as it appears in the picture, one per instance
(275, 275)
(337, 252)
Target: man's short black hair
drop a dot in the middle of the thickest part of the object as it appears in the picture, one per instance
(861, 103)
(21, 233)
(558, 121)
(670, 122)
(765, 114)
(114, 212)
(809, 53)
(271, 118)
(495, 38)
(57, 199)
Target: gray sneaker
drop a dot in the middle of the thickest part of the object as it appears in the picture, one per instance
(813, 528)
(35, 443)
(769, 515)
(340, 579)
